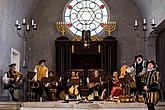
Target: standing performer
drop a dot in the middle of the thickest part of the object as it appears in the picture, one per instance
(12, 79)
(140, 69)
(41, 71)
(151, 85)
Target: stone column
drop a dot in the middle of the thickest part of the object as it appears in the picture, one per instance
(151, 47)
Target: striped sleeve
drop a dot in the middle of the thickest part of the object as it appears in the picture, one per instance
(154, 85)
(157, 77)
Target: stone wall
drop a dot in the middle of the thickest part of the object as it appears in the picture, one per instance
(11, 10)
(151, 9)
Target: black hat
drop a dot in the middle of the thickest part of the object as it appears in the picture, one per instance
(151, 61)
(13, 64)
(138, 56)
(42, 61)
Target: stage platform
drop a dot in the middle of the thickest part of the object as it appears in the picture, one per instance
(97, 105)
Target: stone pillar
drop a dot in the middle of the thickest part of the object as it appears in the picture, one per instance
(151, 47)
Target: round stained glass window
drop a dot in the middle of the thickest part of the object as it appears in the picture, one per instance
(86, 15)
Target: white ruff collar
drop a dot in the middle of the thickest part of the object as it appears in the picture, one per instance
(150, 69)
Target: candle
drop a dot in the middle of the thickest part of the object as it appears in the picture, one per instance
(136, 23)
(16, 23)
(144, 21)
(24, 21)
(35, 26)
(32, 22)
(153, 21)
(19, 27)
(144, 28)
(27, 27)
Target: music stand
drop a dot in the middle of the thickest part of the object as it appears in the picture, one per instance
(127, 77)
(55, 79)
(29, 76)
(74, 81)
(127, 80)
(94, 79)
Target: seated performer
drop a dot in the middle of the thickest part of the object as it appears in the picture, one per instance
(117, 86)
(94, 84)
(41, 71)
(73, 87)
(150, 82)
(52, 84)
(12, 79)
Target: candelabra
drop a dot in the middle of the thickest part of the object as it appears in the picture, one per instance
(25, 31)
(145, 31)
(63, 27)
(109, 26)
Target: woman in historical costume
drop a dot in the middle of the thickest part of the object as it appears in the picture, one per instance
(117, 86)
(73, 90)
(151, 85)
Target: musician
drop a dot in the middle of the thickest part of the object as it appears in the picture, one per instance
(49, 85)
(123, 70)
(95, 85)
(140, 68)
(11, 80)
(73, 91)
(41, 71)
(53, 83)
(151, 85)
(117, 86)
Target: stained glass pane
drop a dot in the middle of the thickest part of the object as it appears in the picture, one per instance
(86, 15)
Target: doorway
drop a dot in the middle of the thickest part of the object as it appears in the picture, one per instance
(15, 58)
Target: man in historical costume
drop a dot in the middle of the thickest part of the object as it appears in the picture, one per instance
(151, 85)
(140, 68)
(94, 84)
(52, 88)
(12, 79)
(41, 71)
(50, 84)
